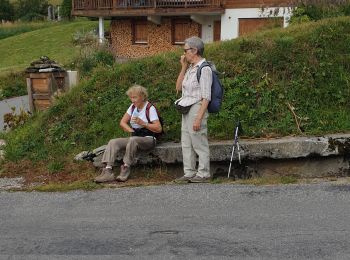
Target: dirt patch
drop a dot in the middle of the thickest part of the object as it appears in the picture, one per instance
(38, 172)
(35, 174)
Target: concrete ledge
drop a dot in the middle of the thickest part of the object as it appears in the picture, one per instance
(255, 149)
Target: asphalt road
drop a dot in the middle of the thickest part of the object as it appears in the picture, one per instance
(203, 221)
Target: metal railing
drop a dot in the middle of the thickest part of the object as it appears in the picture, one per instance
(134, 4)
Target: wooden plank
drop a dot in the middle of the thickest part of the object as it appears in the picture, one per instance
(42, 104)
(41, 96)
(250, 25)
(255, 3)
(217, 31)
(41, 75)
(40, 85)
(30, 93)
(148, 11)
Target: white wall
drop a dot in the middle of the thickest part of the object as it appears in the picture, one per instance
(207, 23)
(229, 20)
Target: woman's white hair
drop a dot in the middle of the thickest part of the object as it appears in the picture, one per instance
(138, 90)
(197, 43)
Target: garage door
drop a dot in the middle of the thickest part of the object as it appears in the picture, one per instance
(250, 25)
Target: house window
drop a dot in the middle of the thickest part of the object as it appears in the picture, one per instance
(140, 32)
(180, 30)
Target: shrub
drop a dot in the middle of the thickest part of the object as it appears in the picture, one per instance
(92, 53)
(6, 10)
(66, 9)
(12, 85)
(314, 10)
(29, 10)
(13, 120)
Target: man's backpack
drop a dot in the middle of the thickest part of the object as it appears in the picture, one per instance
(149, 105)
(217, 89)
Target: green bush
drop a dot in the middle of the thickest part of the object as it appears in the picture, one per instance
(6, 10)
(12, 85)
(66, 9)
(29, 10)
(314, 10)
(92, 54)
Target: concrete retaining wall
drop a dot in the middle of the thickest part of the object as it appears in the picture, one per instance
(302, 156)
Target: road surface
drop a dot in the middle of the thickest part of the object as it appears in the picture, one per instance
(201, 221)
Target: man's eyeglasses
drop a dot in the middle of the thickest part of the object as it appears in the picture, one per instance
(185, 50)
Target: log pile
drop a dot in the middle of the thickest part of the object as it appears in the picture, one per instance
(159, 38)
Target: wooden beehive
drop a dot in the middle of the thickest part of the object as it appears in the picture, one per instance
(42, 87)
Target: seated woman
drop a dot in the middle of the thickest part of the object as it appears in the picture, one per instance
(144, 125)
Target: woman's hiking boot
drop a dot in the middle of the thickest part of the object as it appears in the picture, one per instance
(124, 173)
(107, 175)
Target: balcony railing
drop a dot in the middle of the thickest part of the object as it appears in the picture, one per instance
(81, 5)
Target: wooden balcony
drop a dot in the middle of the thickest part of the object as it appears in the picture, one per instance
(115, 8)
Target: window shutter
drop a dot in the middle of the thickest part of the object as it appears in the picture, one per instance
(181, 31)
(140, 32)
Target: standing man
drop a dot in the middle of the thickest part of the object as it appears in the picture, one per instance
(195, 97)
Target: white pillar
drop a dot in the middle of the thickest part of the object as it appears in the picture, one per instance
(101, 30)
(59, 13)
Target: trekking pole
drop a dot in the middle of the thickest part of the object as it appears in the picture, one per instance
(234, 146)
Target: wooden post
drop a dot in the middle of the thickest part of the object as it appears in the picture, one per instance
(30, 95)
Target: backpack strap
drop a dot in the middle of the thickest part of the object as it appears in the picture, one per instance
(148, 107)
(199, 71)
(147, 110)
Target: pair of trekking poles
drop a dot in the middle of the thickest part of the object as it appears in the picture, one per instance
(235, 146)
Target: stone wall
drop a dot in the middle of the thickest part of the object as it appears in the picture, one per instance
(159, 38)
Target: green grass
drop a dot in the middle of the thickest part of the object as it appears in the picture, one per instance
(12, 84)
(307, 66)
(13, 29)
(63, 187)
(55, 42)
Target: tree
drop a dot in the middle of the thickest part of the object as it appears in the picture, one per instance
(31, 9)
(6, 10)
(66, 9)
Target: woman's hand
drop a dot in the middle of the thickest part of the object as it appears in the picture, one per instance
(197, 124)
(183, 61)
(140, 122)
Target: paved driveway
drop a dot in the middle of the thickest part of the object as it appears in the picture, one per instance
(179, 222)
(17, 102)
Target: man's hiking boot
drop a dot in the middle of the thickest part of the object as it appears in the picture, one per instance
(124, 173)
(106, 176)
(183, 179)
(198, 179)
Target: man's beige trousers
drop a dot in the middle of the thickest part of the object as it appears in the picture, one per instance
(195, 143)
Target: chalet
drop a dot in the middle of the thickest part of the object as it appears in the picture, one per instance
(146, 27)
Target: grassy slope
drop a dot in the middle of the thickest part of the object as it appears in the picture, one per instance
(307, 66)
(55, 42)
(53, 2)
